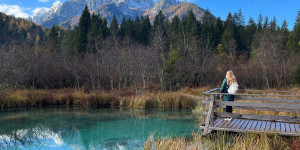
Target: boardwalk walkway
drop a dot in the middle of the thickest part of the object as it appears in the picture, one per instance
(248, 117)
(242, 125)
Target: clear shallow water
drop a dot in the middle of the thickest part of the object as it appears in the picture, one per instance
(82, 128)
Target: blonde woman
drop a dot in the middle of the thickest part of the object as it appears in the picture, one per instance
(230, 86)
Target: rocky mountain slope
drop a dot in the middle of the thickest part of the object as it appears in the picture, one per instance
(70, 11)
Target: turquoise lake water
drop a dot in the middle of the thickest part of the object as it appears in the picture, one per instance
(90, 128)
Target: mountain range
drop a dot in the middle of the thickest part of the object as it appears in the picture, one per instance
(69, 12)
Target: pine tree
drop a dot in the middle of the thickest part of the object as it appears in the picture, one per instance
(145, 30)
(239, 32)
(293, 44)
(259, 23)
(284, 32)
(137, 28)
(129, 30)
(104, 29)
(273, 25)
(158, 25)
(191, 24)
(218, 31)
(83, 29)
(123, 27)
(228, 38)
(266, 23)
(114, 26)
(207, 27)
(53, 39)
(250, 32)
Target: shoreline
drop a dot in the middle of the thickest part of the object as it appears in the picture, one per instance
(182, 99)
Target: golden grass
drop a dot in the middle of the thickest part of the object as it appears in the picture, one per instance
(226, 141)
(69, 97)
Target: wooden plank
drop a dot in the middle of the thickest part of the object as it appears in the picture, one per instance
(226, 124)
(245, 124)
(267, 106)
(209, 116)
(203, 108)
(258, 125)
(212, 90)
(273, 126)
(264, 109)
(263, 126)
(296, 96)
(282, 127)
(287, 127)
(259, 117)
(217, 120)
(240, 124)
(249, 125)
(232, 123)
(205, 102)
(238, 130)
(278, 127)
(292, 127)
(237, 123)
(253, 125)
(268, 126)
(221, 124)
(268, 91)
(297, 128)
(266, 99)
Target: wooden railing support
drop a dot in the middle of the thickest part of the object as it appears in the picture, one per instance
(210, 117)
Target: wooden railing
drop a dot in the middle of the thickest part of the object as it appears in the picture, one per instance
(252, 105)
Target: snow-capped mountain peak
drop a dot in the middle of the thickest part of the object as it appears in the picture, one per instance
(55, 7)
(42, 14)
(69, 12)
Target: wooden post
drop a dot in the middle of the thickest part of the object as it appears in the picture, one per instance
(211, 124)
(209, 119)
(203, 109)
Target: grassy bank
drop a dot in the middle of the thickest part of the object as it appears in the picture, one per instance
(227, 141)
(183, 99)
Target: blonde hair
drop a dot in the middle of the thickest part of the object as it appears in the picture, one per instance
(230, 78)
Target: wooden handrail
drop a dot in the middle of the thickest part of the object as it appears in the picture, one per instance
(253, 95)
(268, 91)
(212, 90)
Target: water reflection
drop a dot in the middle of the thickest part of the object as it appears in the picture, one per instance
(72, 128)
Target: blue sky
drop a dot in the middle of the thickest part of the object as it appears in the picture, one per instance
(282, 9)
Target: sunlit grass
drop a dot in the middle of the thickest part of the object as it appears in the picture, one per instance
(71, 97)
(226, 141)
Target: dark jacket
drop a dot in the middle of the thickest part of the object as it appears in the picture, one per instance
(224, 89)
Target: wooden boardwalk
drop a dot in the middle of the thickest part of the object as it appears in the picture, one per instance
(267, 112)
(243, 125)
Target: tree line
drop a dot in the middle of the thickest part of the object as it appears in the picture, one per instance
(138, 54)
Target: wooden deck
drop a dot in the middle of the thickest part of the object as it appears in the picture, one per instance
(255, 112)
(243, 125)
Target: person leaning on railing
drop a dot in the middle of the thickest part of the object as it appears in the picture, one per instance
(230, 86)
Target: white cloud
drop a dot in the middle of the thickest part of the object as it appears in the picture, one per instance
(14, 10)
(40, 9)
(43, 0)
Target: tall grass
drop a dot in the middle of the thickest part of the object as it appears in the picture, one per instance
(226, 141)
(69, 97)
